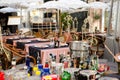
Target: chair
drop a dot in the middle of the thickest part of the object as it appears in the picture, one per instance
(29, 33)
(9, 53)
(68, 37)
(6, 57)
(98, 48)
(38, 34)
(21, 57)
(50, 35)
(74, 36)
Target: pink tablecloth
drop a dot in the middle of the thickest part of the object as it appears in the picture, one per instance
(34, 44)
(7, 37)
(45, 52)
(24, 40)
(56, 51)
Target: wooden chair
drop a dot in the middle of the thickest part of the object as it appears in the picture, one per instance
(6, 57)
(29, 33)
(50, 35)
(9, 53)
(98, 49)
(38, 34)
(22, 57)
(68, 37)
(74, 36)
(21, 54)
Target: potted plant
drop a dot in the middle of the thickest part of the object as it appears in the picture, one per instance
(96, 16)
(66, 20)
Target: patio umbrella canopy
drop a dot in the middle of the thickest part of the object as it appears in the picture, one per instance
(8, 10)
(18, 4)
(98, 5)
(55, 5)
(74, 4)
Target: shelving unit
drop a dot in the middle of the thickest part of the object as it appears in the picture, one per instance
(43, 26)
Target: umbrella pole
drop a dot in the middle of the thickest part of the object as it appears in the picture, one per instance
(116, 25)
(110, 17)
(103, 20)
(60, 26)
(21, 18)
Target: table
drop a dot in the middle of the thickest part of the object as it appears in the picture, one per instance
(71, 70)
(21, 44)
(46, 51)
(34, 44)
(7, 37)
(24, 40)
(10, 40)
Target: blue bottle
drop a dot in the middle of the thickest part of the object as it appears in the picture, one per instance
(40, 67)
(27, 61)
(46, 71)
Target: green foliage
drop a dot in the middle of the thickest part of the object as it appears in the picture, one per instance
(65, 20)
(96, 16)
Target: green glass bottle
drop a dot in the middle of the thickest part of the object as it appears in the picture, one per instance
(66, 76)
(95, 62)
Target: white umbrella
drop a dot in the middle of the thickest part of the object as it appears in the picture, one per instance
(8, 10)
(17, 1)
(98, 5)
(75, 4)
(55, 5)
(35, 7)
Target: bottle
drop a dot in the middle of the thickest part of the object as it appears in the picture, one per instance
(68, 60)
(81, 64)
(65, 62)
(57, 43)
(95, 62)
(30, 70)
(40, 67)
(13, 63)
(38, 58)
(27, 61)
(66, 76)
(46, 71)
(52, 43)
(46, 64)
(53, 67)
